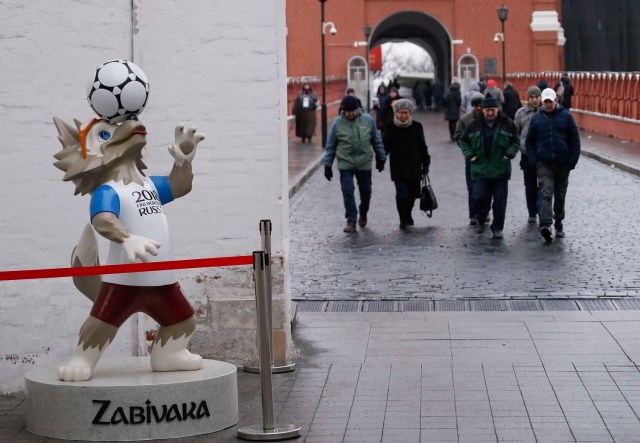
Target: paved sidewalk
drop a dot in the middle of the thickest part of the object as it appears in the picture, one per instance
(475, 377)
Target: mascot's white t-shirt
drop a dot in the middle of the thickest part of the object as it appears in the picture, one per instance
(139, 209)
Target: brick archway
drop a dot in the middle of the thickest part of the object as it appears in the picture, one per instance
(420, 29)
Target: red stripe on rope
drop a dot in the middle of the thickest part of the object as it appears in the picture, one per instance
(29, 274)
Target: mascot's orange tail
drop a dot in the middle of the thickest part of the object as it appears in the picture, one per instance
(86, 254)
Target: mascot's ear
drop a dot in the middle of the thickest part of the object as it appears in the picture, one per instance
(67, 134)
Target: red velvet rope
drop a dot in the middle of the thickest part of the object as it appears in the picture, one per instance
(29, 274)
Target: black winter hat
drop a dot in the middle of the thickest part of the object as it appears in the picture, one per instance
(489, 102)
(349, 103)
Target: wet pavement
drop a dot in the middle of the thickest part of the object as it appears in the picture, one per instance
(443, 258)
(410, 376)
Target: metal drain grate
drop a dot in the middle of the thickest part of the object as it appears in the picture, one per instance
(523, 305)
(596, 305)
(465, 305)
(417, 305)
(488, 305)
(559, 305)
(311, 306)
(452, 305)
(627, 304)
(380, 306)
(344, 306)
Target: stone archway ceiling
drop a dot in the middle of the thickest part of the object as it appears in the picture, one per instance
(421, 29)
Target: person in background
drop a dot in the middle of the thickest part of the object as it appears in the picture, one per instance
(466, 100)
(482, 84)
(489, 143)
(553, 147)
(408, 158)
(386, 114)
(493, 91)
(511, 100)
(522, 120)
(352, 92)
(452, 104)
(437, 94)
(353, 139)
(419, 89)
(465, 120)
(304, 110)
(564, 91)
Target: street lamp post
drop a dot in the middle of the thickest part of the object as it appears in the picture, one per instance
(324, 77)
(324, 81)
(502, 16)
(367, 33)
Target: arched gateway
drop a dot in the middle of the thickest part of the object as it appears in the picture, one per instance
(460, 35)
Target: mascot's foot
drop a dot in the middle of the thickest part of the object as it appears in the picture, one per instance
(176, 361)
(78, 369)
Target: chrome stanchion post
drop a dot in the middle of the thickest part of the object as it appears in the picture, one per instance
(265, 236)
(268, 430)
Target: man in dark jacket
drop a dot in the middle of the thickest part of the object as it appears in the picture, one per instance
(489, 143)
(465, 120)
(353, 138)
(553, 146)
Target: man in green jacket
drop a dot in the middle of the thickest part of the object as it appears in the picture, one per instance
(353, 138)
(489, 143)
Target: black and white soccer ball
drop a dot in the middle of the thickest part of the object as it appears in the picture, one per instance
(119, 88)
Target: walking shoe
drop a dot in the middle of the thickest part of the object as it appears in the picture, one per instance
(480, 226)
(545, 232)
(559, 231)
(362, 221)
(532, 219)
(498, 235)
(350, 228)
(559, 234)
(473, 221)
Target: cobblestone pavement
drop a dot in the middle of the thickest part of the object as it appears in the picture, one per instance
(443, 257)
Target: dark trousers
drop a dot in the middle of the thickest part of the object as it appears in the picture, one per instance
(348, 193)
(484, 191)
(553, 181)
(405, 198)
(452, 128)
(530, 186)
(467, 174)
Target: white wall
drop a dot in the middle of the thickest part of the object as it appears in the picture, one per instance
(218, 65)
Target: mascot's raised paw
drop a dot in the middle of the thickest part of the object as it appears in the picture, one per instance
(137, 248)
(184, 147)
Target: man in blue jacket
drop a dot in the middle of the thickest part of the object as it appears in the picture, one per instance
(353, 138)
(553, 146)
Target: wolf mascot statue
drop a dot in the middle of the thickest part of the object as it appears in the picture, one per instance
(104, 159)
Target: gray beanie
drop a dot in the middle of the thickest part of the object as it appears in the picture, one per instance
(403, 103)
(533, 90)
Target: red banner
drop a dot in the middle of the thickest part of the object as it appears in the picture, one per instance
(375, 59)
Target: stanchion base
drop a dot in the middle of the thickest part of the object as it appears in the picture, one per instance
(258, 433)
(279, 369)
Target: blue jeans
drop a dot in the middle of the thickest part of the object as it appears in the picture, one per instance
(484, 191)
(553, 181)
(348, 191)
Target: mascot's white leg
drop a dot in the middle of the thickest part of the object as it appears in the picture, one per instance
(170, 352)
(95, 337)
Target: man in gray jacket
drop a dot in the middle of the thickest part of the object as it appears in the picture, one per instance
(522, 118)
(353, 140)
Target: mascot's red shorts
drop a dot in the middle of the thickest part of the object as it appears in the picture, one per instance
(167, 304)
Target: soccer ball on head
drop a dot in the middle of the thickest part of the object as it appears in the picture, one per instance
(119, 88)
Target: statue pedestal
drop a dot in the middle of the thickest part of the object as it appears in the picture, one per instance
(125, 400)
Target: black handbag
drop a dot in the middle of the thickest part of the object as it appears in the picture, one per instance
(428, 200)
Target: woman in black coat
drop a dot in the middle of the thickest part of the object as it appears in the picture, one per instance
(408, 158)
(453, 103)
